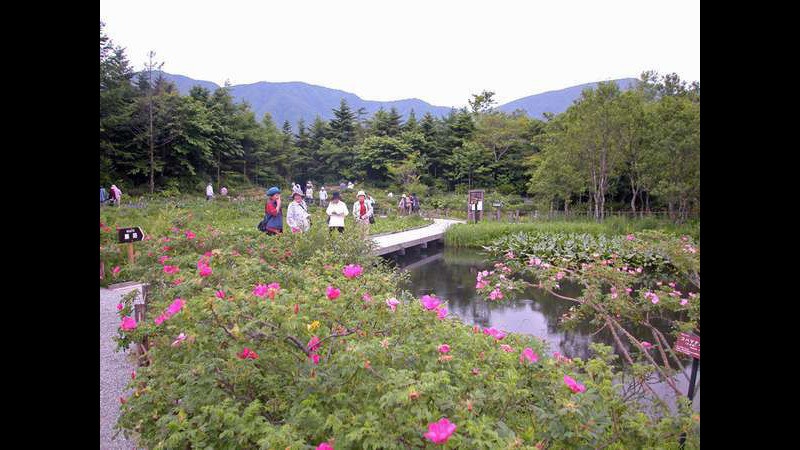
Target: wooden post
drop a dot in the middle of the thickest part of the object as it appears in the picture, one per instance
(130, 253)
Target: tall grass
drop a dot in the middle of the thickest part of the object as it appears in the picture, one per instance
(483, 233)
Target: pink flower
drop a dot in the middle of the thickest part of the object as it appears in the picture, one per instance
(352, 270)
(178, 281)
(175, 307)
(272, 289)
(692, 295)
(613, 292)
(392, 303)
(333, 293)
(166, 248)
(260, 290)
(671, 284)
(534, 262)
(190, 235)
(160, 319)
(444, 348)
(439, 432)
(181, 338)
(630, 237)
(684, 301)
(529, 355)
(510, 255)
(115, 270)
(220, 294)
(496, 294)
(133, 375)
(495, 333)
(441, 313)
(313, 344)
(560, 275)
(628, 290)
(205, 271)
(128, 323)
(314, 358)
(651, 296)
(163, 258)
(324, 446)
(506, 348)
(638, 270)
(646, 345)
(119, 306)
(573, 385)
(247, 354)
(481, 284)
(366, 297)
(171, 269)
(207, 254)
(429, 302)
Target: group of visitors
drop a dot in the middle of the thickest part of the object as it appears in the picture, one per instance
(113, 198)
(408, 204)
(299, 219)
(210, 191)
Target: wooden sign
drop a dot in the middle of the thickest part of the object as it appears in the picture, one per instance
(688, 344)
(131, 234)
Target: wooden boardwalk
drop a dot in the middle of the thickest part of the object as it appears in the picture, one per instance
(391, 243)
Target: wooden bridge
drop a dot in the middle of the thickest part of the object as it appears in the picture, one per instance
(398, 242)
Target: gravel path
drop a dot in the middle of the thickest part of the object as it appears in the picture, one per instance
(115, 372)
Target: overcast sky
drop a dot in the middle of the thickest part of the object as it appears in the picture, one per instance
(440, 51)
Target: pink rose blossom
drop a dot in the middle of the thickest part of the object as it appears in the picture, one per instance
(506, 348)
(313, 344)
(260, 290)
(171, 269)
(573, 385)
(510, 255)
(444, 348)
(247, 354)
(638, 270)
(190, 235)
(496, 294)
(333, 293)
(160, 319)
(429, 302)
(205, 271)
(324, 446)
(651, 296)
(684, 301)
(366, 297)
(133, 375)
(175, 307)
(646, 345)
(481, 284)
(115, 270)
(272, 289)
(495, 333)
(439, 432)
(119, 306)
(128, 323)
(529, 355)
(181, 338)
(630, 237)
(392, 303)
(560, 275)
(220, 294)
(352, 270)
(314, 358)
(441, 313)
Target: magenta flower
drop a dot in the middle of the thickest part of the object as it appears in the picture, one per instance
(573, 385)
(495, 333)
(175, 307)
(205, 271)
(220, 294)
(439, 432)
(115, 270)
(684, 301)
(160, 319)
(366, 297)
(628, 290)
(481, 284)
(178, 281)
(506, 348)
(651, 296)
(313, 344)
(630, 237)
(314, 358)
(181, 338)
(392, 303)
(119, 306)
(496, 294)
(333, 293)
(247, 354)
(190, 235)
(528, 354)
(441, 313)
(128, 323)
(171, 269)
(163, 258)
(352, 270)
(260, 290)
(646, 345)
(429, 302)
(272, 289)
(324, 446)
(560, 275)
(444, 348)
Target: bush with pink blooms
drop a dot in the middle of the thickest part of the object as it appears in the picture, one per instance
(294, 369)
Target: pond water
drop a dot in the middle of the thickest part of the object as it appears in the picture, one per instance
(450, 274)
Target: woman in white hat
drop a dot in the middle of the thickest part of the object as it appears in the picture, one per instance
(362, 210)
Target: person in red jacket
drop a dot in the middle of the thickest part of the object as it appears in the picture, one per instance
(273, 211)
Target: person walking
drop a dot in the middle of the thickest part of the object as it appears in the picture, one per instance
(116, 195)
(323, 197)
(309, 193)
(362, 210)
(209, 192)
(401, 205)
(297, 216)
(224, 191)
(336, 211)
(272, 211)
(103, 195)
(409, 201)
(415, 204)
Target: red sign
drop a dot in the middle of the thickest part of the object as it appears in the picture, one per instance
(688, 344)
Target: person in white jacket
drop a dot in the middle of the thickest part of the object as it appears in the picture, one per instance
(297, 216)
(336, 211)
(362, 210)
(323, 197)
(209, 192)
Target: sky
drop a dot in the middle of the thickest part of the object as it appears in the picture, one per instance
(439, 51)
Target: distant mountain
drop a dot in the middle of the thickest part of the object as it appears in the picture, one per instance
(294, 100)
(557, 101)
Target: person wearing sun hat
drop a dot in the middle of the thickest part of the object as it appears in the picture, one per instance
(272, 211)
(336, 211)
(297, 216)
(362, 210)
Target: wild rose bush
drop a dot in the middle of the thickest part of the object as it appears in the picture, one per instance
(235, 365)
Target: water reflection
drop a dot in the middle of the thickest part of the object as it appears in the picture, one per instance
(450, 274)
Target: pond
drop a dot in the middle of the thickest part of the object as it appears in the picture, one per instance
(450, 274)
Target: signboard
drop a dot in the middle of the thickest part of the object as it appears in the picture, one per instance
(475, 205)
(132, 234)
(688, 344)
